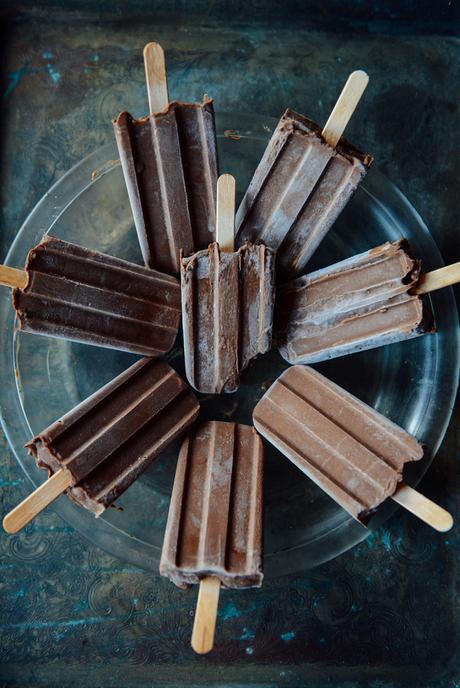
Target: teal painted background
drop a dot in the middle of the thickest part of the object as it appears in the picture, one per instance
(380, 616)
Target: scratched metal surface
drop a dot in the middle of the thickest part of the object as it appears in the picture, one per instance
(380, 616)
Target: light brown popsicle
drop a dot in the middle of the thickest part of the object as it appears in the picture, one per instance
(214, 530)
(363, 302)
(227, 304)
(351, 451)
(302, 183)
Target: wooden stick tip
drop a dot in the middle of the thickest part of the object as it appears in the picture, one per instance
(226, 179)
(202, 646)
(9, 527)
(361, 75)
(422, 507)
(444, 523)
(152, 47)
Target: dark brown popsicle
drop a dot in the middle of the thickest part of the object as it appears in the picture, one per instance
(85, 296)
(215, 524)
(109, 439)
(169, 162)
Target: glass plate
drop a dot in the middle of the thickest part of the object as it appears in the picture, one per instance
(413, 383)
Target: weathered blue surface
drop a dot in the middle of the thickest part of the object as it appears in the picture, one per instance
(380, 616)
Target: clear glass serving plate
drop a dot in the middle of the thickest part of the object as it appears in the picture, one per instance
(413, 383)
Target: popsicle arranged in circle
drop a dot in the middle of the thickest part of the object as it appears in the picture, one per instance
(214, 530)
(363, 302)
(99, 448)
(71, 292)
(304, 180)
(169, 162)
(227, 303)
(355, 454)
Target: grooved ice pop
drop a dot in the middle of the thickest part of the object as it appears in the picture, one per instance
(359, 303)
(214, 530)
(227, 304)
(304, 180)
(98, 449)
(70, 292)
(169, 162)
(351, 451)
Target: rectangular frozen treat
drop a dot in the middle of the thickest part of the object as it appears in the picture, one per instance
(109, 439)
(298, 190)
(215, 523)
(360, 303)
(351, 451)
(85, 296)
(169, 162)
(227, 313)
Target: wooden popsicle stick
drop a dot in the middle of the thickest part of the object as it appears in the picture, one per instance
(225, 212)
(204, 625)
(32, 505)
(155, 75)
(345, 107)
(12, 277)
(422, 507)
(437, 279)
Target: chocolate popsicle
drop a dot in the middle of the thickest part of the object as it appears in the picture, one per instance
(357, 304)
(70, 292)
(98, 449)
(227, 304)
(304, 180)
(351, 451)
(169, 162)
(214, 530)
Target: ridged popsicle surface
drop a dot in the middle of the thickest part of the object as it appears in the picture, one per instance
(78, 294)
(360, 303)
(355, 454)
(227, 313)
(169, 162)
(215, 518)
(298, 190)
(109, 439)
